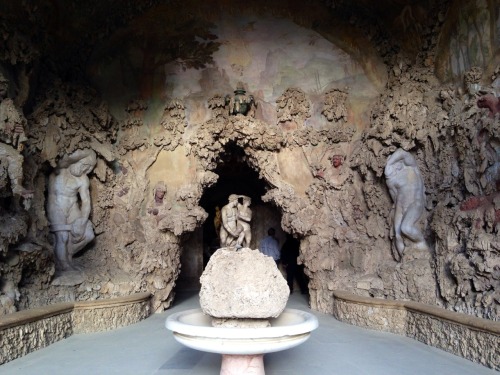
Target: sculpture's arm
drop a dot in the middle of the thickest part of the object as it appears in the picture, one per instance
(246, 216)
(392, 191)
(84, 192)
(68, 160)
(79, 225)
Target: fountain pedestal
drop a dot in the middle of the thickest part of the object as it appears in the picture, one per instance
(242, 364)
(242, 317)
(241, 347)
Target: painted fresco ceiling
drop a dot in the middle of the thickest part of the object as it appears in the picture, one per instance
(190, 49)
(267, 53)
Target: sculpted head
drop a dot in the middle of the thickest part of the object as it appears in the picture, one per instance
(233, 198)
(83, 166)
(159, 191)
(80, 162)
(337, 160)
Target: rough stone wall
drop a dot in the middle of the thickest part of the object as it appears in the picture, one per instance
(33, 329)
(424, 323)
(467, 343)
(33, 336)
(380, 318)
(465, 219)
(87, 320)
(453, 141)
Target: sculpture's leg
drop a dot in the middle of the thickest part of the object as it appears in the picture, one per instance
(398, 240)
(61, 250)
(223, 237)
(75, 247)
(248, 238)
(400, 245)
(242, 364)
(409, 225)
(240, 239)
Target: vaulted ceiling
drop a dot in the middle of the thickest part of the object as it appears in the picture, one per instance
(68, 30)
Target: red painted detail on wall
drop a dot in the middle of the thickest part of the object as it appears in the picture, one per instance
(491, 102)
(472, 203)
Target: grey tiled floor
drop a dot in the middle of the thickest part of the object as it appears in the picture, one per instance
(148, 348)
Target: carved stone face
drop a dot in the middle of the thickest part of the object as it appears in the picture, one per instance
(159, 195)
(337, 160)
(233, 200)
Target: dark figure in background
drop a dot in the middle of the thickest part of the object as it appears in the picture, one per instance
(289, 255)
(270, 246)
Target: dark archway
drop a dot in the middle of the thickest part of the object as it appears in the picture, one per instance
(235, 177)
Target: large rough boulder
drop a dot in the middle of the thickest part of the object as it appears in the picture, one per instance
(243, 284)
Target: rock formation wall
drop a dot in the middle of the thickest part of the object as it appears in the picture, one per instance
(321, 154)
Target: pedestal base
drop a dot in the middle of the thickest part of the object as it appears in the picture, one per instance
(242, 364)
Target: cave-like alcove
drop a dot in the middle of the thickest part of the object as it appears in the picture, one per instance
(235, 177)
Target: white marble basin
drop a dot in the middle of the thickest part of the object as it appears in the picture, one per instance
(193, 328)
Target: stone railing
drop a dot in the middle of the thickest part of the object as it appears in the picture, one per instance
(29, 330)
(467, 336)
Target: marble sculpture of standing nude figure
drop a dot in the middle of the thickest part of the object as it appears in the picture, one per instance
(229, 230)
(235, 230)
(68, 206)
(406, 188)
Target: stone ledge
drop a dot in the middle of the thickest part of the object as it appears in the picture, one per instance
(118, 301)
(27, 316)
(29, 330)
(467, 336)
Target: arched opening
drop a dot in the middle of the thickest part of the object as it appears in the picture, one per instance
(235, 177)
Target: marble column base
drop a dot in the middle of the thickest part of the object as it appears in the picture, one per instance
(242, 364)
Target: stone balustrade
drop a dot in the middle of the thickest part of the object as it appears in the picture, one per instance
(29, 330)
(467, 336)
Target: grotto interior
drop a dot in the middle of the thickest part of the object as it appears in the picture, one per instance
(368, 130)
